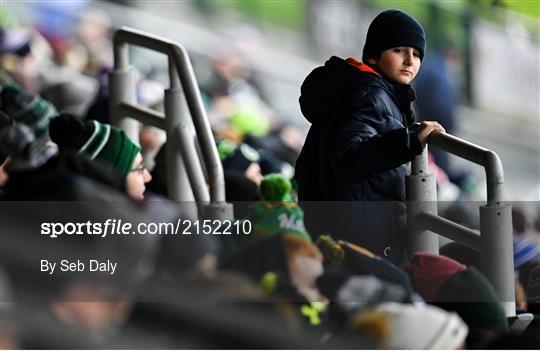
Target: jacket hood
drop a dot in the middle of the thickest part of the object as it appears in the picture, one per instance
(324, 87)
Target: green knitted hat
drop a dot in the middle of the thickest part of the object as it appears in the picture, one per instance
(250, 122)
(471, 295)
(269, 219)
(95, 140)
(25, 108)
(275, 187)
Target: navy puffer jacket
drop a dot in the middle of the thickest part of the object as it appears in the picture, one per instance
(357, 150)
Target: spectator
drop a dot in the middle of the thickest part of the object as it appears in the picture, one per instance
(429, 271)
(240, 157)
(359, 142)
(275, 213)
(296, 260)
(29, 109)
(106, 143)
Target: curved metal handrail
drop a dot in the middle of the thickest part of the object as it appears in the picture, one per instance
(476, 154)
(181, 76)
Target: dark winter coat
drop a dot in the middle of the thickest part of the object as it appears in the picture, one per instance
(356, 151)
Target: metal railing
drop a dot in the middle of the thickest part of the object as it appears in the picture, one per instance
(495, 239)
(184, 121)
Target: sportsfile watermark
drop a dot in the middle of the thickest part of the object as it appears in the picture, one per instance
(121, 227)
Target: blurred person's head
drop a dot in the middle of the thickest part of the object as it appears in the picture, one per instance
(26, 152)
(94, 25)
(91, 307)
(395, 45)
(296, 260)
(249, 121)
(241, 157)
(405, 326)
(276, 213)
(13, 40)
(28, 109)
(24, 129)
(232, 66)
(106, 143)
(429, 271)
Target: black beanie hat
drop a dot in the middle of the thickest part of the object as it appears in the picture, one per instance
(390, 29)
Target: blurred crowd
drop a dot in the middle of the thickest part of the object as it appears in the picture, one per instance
(278, 287)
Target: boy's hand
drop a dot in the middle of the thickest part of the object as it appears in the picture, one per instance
(425, 129)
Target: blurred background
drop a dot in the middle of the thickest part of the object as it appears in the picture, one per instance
(480, 77)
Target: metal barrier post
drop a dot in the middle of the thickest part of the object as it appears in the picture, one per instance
(178, 188)
(497, 252)
(421, 198)
(122, 89)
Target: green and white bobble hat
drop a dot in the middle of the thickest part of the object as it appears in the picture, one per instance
(95, 140)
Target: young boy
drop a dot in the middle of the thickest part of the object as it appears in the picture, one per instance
(359, 143)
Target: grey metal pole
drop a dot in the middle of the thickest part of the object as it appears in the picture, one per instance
(497, 252)
(421, 198)
(175, 113)
(185, 140)
(450, 230)
(202, 126)
(122, 89)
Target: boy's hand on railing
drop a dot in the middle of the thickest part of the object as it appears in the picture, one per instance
(425, 129)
